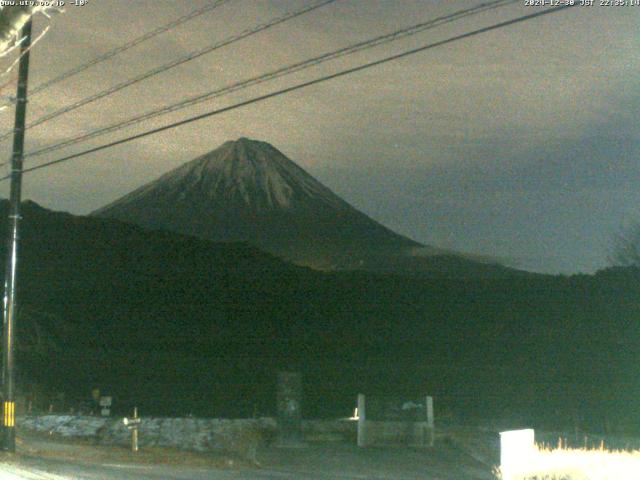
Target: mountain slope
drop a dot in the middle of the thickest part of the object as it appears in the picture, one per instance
(248, 190)
(175, 325)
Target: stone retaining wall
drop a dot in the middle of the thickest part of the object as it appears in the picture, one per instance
(195, 434)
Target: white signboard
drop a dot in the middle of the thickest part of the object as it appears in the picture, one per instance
(517, 452)
(105, 401)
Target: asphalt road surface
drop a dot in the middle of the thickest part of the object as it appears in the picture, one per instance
(54, 460)
(383, 465)
(58, 470)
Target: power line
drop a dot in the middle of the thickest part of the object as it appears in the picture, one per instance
(167, 66)
(287, 70)
(126, 46)
(301, 86)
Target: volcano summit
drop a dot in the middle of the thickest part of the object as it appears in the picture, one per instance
(249, 191)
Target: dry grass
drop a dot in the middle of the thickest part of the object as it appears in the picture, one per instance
(578, 464)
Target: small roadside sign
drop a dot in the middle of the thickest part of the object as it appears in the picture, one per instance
(105, 401)
(131, 422)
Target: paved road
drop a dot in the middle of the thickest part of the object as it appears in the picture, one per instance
(57, 470)
(52, 461)
(34, 468)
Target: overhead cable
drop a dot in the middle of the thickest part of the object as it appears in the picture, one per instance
(167, 66)
(128, 45)
(300, 86)
(280, 72)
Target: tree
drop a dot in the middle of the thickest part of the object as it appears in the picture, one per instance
(625, 251)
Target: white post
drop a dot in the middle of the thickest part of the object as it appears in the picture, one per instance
(361, 421)
(517, 452)
(430, 422)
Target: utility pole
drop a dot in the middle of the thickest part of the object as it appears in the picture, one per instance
(10, 279)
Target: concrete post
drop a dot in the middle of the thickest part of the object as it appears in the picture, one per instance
(430, 421)
(362, 439)
(289, 400)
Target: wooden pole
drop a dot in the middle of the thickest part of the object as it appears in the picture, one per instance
(134, 431)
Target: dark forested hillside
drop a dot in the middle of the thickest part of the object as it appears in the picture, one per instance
(179, 325)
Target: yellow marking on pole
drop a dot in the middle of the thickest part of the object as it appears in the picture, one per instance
(9, 414)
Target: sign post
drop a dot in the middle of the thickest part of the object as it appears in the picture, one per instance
(105, 403)
(133, 424)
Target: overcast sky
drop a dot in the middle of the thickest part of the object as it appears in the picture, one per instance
(522, 143)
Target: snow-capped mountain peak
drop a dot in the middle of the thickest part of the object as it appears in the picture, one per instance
(247, 190)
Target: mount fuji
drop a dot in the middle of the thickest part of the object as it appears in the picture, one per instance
(249, 191)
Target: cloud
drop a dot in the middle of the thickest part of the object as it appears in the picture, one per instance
(468, 144)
